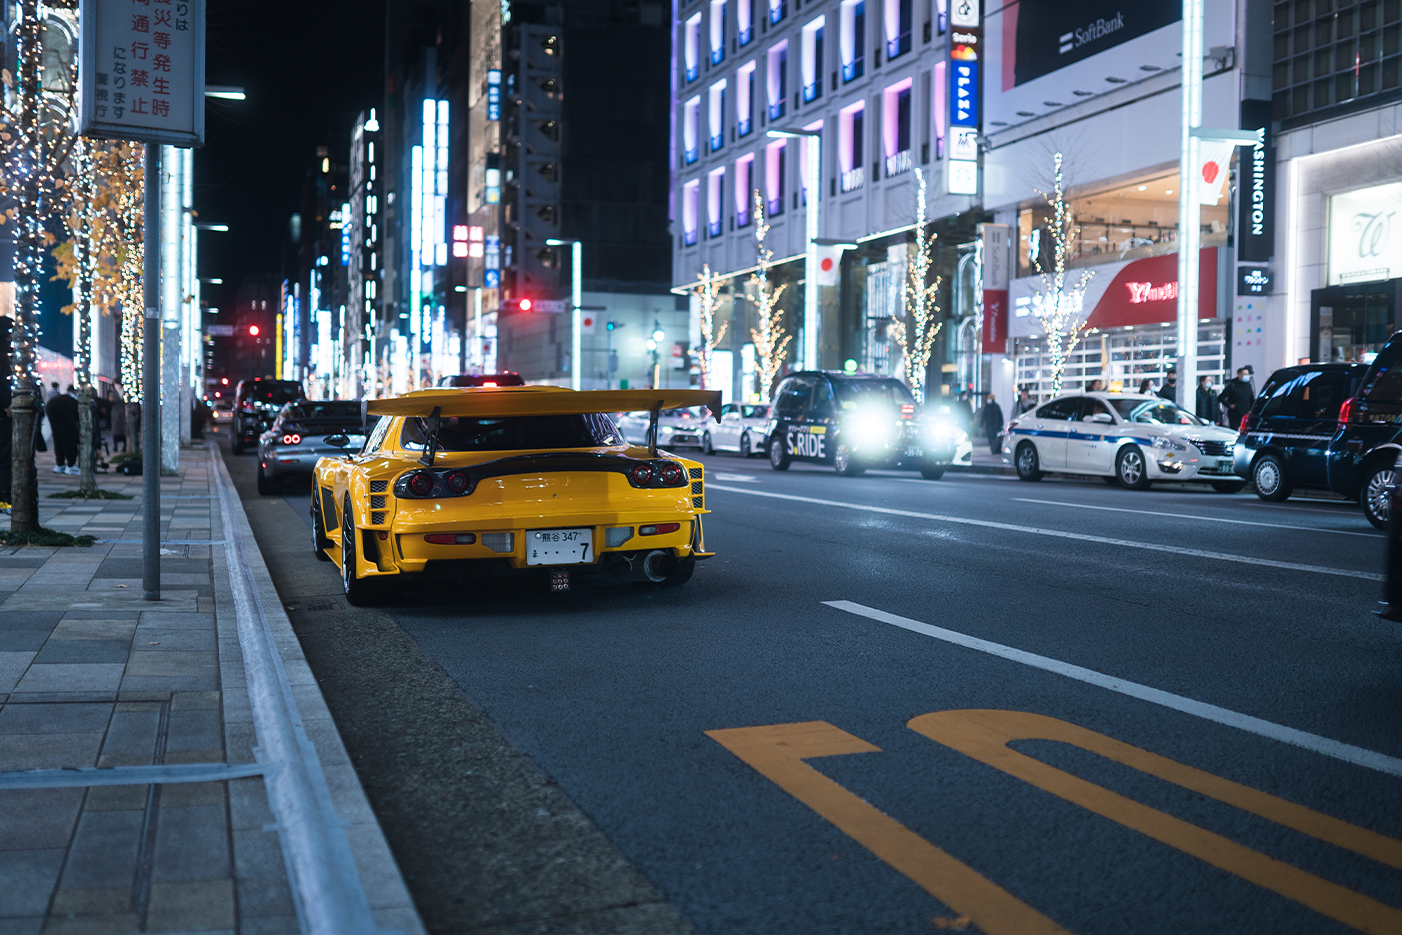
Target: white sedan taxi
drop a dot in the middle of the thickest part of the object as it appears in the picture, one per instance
(1123, 437)
(741, 429)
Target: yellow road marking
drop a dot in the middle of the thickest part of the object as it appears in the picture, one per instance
(777, 752)
(985, 735)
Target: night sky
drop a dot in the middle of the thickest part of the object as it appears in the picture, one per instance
(307, 66)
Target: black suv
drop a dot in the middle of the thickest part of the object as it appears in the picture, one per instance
(256, 403)
(1284, 441)
(855, 422)
(1365, 448)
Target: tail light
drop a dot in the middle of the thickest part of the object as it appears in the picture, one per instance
(292, 439)
(1241, 429)
(907, 411)
(658, 529)
(1346, 410)
(671, 474)
(641, 474)
(421, 483)
(457, 481)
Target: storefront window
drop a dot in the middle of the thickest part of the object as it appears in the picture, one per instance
(1126, 223)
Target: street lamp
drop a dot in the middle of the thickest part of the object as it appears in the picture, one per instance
(812, 176)
(576, 302)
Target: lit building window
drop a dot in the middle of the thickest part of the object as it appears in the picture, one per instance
(744, 22)
(897, 27)
(691, 116)
(803, 144)
(895, 127)
(690, 193)
(715, 115)
(715, 191)
(774, 177)
(691, 47)
(811, 60)
(778, 9)
(851, 122)
(717, 31)
(743, 189)
(940, 101)
(777, 84)
(852, 39)
(744, 98)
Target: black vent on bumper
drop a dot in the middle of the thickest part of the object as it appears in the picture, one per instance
(379, 486)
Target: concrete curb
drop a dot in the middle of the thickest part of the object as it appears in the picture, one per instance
(392, 908)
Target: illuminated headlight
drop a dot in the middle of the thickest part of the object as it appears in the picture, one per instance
(1168, 444)
(869, 433)
(665, 430)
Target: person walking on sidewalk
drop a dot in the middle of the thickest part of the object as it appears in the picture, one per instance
(990, 421)
(1024, 402)
(63, 422)
(1169, 389)
(1207, 401)
(1238, 397)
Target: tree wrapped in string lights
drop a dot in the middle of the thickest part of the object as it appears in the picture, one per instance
(1059, 307)
(916, 334)
(101, 261)
(707, 290)
(37, 134)
(771, 343)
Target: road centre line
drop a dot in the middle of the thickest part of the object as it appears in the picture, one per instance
(1338, 750)
(1060, 534)
(1205, 519)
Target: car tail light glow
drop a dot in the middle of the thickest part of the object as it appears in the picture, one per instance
(907, 411)
(1346, 410)
(451, 538)
(658, 529)
(457, 481)
(421, 483)
(641, 474)
(671, 474)
(292, 439)
(489, 383)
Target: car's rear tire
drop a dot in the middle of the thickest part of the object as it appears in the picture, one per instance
(360, 592)
(1027, 463)
(706, 444)
(778, 457)
(1269, 477)
(265, 483)
(320, 543)
(1132, 469)
(932, 471)
(747, 448)
(1373, 495)
(1229, 486)
(845, 463)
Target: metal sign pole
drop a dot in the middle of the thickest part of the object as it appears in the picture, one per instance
(151, 383)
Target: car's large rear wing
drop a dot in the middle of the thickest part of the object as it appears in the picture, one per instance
(506, 401)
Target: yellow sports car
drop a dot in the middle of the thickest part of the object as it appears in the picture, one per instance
(464, 483)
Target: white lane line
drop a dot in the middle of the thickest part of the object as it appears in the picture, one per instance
(1060, 534)
(1205, 519)
(1358, 756)
(742, 478)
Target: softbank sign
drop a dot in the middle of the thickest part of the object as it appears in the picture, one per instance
(1098, 29)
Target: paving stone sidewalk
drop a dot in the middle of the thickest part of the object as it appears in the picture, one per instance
(91, 675)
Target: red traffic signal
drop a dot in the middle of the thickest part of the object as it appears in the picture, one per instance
(517, 305)
(253, 330)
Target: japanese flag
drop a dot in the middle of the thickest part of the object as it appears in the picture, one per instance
(829, 265)
(586, 322)
(1213, 157)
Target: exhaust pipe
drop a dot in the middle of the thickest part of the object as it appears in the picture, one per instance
(653, 566)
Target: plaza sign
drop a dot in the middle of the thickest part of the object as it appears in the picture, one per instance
(141, 72)
(1365, 243)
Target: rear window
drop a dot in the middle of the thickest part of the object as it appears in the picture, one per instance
(754, 412)
(280, 391)
(519, 433)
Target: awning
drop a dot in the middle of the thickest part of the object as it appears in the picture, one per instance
(502, 401)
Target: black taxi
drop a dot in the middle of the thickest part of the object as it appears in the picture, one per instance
(1364, 451)
(855, 422)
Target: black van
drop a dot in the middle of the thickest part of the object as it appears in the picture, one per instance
(1284, 444)
(256, 403)
(1364, 450)
(855, 422)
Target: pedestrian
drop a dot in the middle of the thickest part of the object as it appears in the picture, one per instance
(62, 411)
(990, 419)
(1146, 387)
(53, 391)
(1238, 397)
(1169, 390)
(119, 421)
(1024, 402)
(963, 413)
(38, 443)
(1095, 386)
(1207, 401)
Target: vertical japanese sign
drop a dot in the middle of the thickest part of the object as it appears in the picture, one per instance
(1255, 232)
(965, 45)
(141, 75)
(997, 257)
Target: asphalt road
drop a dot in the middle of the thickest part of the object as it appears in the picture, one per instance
(1165, 711)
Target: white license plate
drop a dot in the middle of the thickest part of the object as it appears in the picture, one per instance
(559, 546)
(1225, 465)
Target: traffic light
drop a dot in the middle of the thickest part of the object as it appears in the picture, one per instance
(517, 305)
(611, 325)
(253, 330)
